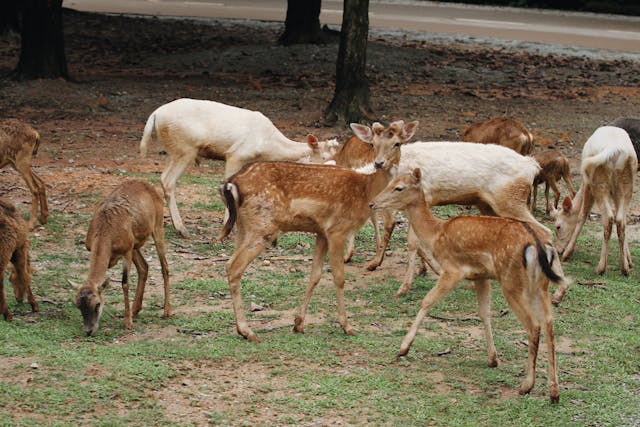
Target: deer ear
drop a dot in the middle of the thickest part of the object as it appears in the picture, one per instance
(417, 173)
(312, 141)
(409, 130)
(361, 131)
(566, 204)
(74, 285)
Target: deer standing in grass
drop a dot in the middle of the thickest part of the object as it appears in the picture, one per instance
(609, 165)
(480, 249)
(14, 249)
(553, 167)
(19, 143)
(191, 129)
(267, 198)
(120, 226)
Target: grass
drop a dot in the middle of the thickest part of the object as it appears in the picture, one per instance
(193, 369)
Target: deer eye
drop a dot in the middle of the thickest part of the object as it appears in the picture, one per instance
(398, 189)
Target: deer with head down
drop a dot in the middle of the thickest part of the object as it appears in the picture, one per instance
(480, 249)
(608, 168)
(268, 198)
(120, 226)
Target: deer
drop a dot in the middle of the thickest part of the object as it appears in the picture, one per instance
(14, 249)
(481, 249)
(191, 129)
(505, 131)
(119, 227)
(608, 167)
(553, 167)
(19, 143)
(495, 179)
(267, 198)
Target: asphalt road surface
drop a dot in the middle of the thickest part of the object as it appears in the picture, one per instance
(584, 30)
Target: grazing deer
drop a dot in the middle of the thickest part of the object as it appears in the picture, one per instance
(19, 143)
(120, 226)
(267, 198)
(482, 248)
(608, 168)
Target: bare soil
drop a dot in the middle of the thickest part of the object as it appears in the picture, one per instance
(123, 68)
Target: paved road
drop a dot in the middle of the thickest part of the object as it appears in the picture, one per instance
(592, 31)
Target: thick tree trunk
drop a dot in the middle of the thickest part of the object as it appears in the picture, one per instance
(9, 16)
(42, 47)
(302, 24)
(351, 99)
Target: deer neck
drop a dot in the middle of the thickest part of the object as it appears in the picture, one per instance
(424, 224)
(99, 262)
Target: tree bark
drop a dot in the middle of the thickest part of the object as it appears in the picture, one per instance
(302, 24)
(351, 100)
(42, 41)
(9, 16)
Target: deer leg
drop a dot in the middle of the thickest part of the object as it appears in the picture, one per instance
(413, 245)
(607, 224)
(316, 273)
(143, 270)
(21, 277)
(158, 238)
(169, 179)
(350, 247)
(483, 295)
(336, 243)
(24, 169)
(587, 204)
(552, 369)
(128, 322)
(42, 193)
(556, 193)
(246, 251)
(546, 197)
(521, 304)
(534, 198)
(625, 255)
(382, 244)
(4, 309)
(443, 286)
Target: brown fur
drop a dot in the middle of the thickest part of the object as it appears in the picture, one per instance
(14, 249)
(554, 166)
(504, 131)
(18, 145)
(480, 249)
(267, 198)
(120, 226)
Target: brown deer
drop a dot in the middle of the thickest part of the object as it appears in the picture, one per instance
(120, 226)
(503, 131)
(609, 165)
(480, 249)
(19, 143)
(553, 167)
(267, 198)
(14, 249)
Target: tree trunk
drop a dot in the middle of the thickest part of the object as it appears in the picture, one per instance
(302, 24)
(42, 41)
(351, 99)
(9, 16)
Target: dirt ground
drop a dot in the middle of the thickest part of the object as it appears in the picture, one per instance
(122, 68)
